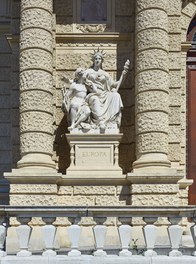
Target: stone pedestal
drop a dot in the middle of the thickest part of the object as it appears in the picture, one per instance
(94, 156)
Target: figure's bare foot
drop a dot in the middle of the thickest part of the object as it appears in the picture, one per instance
(70, 128)
(102, 125)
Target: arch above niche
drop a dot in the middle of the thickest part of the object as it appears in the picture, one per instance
(187, 14)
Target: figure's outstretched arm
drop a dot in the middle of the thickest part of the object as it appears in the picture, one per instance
(117, 84)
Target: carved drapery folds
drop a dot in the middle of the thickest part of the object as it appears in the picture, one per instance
(36, 83)
(152, 84)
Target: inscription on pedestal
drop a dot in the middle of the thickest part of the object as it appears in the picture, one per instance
(94, 155)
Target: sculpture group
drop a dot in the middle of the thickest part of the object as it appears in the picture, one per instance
(92, 99)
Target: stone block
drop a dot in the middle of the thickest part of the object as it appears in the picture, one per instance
(175, 134)
(5, 143)
(174, 152)
(175, 78)
(154, 188)
(174, 8)
(174, 22)
(175, 97)
(65, 190)
(155, 200)
(31, 199)
(189, 9)
(104, 200)
(33, 188)
(174, 60)
(94, 190)
(75, 200)
(175, 42)
(174, 115)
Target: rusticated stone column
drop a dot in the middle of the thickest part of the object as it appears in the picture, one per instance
(36, 84)
(152, 84)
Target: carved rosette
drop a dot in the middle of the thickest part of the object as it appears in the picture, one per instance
(36, 83)
(152, 84)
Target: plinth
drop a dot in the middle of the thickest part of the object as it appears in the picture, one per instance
(94, 156)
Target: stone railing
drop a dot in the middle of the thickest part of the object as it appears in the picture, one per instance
(128, 218)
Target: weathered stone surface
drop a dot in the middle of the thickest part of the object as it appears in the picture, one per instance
(111, 201)
(175, 97)
(36, 59)
(36, 142)
(152, 121)
(174, 24)
(174, 134)
(152, 59)
(154, 188)
(174, 7)
(46, 4)
(189, 9)
(174, 115)
(155, 200)
(94, 190)
(33, 188)
(151, 19)
(29, 120)
(37, 18)
(175, 42)
(174, 61)
(36, 79)
(65, 190)
(174, 152)
(35, 101)
(152, 101)
(73, 200)
(70, 62)
(141, 4)
(175, 79)
(36, 38)
(150, 80)
(152, 38)
(30, 199)
(152, 142)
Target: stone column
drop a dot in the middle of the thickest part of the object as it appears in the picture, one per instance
(152, 85)
(36, 84)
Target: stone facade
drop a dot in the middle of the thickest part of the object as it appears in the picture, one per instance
(53, 43)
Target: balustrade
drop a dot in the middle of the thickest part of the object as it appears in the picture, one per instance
(124, 223)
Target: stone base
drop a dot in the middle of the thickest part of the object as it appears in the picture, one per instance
(33, 175)
(94, 156)
(155, 188)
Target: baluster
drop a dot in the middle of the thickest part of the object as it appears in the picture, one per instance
(150, 235)
(2, 237)
(49, 232)
(175, 235)
(74, 232)
(193, 233)
(125, 231)
(23, 232)
(99, 233)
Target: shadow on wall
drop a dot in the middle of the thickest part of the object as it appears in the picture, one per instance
(61, 146)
